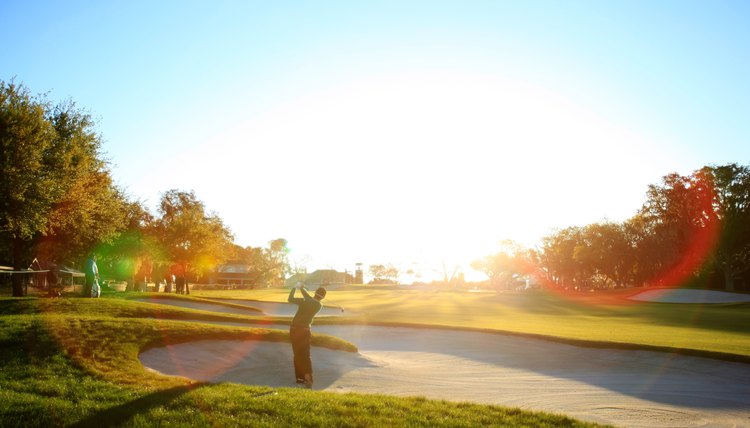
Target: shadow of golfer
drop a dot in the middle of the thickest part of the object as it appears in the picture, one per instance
(120, 414)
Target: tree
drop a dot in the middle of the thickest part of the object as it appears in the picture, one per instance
(680, 214)
(449, 273)
(191, 238)
(645, 249)
(55, 184)
(27, 190)
(267, 266)
(558, 257)
(732, 187)
(391, 273)
(505, 266)
(278, 262)
(298, 265)
(378, 273)
(92, 210)
(137, 245)
(384, 274)
(604, 254)
(493, 266)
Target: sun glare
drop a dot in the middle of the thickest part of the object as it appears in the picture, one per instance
(435, 164)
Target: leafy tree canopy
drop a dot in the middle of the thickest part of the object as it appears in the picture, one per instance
(57, 198)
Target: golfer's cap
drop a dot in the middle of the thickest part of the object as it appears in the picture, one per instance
(321, 291)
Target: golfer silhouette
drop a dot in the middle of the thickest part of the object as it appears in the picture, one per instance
(299, 332)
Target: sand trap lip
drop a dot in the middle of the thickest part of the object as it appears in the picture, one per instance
(679, 295)
(628, 388)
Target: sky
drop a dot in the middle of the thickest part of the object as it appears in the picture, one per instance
(412, 133)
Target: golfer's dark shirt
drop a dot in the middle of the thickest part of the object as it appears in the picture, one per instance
(308, 308)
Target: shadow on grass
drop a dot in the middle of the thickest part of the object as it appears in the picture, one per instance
(721, 317)
(18, 306)
(120, 414)
(724, 317)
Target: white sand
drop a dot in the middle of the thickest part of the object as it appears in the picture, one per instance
(625, 388)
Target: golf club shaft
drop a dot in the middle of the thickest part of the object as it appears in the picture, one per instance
(329, 302)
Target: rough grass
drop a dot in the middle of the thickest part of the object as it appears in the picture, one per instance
(73, 362)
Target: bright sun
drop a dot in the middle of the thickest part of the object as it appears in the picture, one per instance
(422, 166)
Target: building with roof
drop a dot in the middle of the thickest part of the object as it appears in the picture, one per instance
(324, 277)
(235, 274)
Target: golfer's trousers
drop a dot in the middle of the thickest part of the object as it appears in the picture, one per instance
(88, 285)
(300, 337)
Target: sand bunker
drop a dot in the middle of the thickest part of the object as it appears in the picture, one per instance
(678, 295)
(626, 388)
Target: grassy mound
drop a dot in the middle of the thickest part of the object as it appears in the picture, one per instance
(74, 362)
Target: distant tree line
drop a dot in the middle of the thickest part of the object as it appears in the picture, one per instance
(383, 274)
(58, 203)
(691, 229)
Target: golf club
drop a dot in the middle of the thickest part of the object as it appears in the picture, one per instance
(332, 303)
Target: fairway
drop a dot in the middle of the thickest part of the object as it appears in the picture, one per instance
(592, 319)
(599, 383)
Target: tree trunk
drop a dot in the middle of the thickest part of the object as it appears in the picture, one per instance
(17, 278)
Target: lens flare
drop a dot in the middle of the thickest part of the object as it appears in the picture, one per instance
(700, 236)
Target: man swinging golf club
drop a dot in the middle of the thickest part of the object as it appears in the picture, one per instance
(299, 332)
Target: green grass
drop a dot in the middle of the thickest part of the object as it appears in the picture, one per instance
(74, 362)
(590, 319)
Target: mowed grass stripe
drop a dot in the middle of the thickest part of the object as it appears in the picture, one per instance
(601, 319)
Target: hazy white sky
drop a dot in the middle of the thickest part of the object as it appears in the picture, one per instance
(413, 133)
